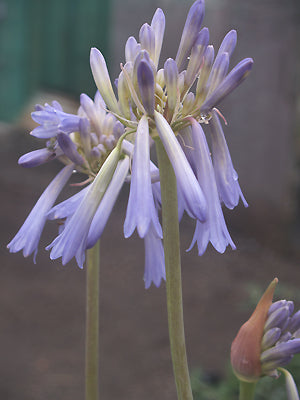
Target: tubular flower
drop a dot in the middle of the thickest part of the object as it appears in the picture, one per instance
(268, 341)
(110, 137)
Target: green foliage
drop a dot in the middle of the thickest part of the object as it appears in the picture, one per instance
(208, 387)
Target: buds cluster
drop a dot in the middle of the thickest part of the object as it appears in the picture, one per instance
(267, 341)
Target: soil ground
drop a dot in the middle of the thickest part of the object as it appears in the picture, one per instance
(42, 305)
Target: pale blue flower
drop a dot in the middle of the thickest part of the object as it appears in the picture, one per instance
(107, 203)
(214, 228)
(28, 237)
(72, 241)
(194, 200)
(141, 209)
(226, 176)
(190, 33)
(154, 258)
(53, 120)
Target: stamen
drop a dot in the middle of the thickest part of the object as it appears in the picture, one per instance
(132, 90)
(221, 115)
(79, 184)
(185, 145)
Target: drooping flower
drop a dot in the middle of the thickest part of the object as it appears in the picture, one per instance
(214, 228)
(28, 237)
(72, 241)
(154, 259)
(141, 210)
(226, 176)
(268, 341)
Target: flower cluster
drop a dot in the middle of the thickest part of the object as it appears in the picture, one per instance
(110, 138)
(268, 341)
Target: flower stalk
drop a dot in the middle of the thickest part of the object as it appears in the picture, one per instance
(92, 324)
(173, 273)
(247, 390)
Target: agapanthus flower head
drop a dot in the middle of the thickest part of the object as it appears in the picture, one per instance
(110, 137)
(164, 97)
(268, 341)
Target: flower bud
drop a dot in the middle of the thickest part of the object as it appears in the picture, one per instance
(145, 79)
(246, 347)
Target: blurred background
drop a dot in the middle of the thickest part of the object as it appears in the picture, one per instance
(44, 55)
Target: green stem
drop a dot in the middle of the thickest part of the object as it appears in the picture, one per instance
(92, 324)
(173, 273)
(247, 390)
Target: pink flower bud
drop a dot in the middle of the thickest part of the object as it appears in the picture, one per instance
(246, 347)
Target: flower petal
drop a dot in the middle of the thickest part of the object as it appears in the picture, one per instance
(235, 77)
(226, 176)
(158, 26)
(154, 259)
(214, 229)
(140, 209)
(72, 241)
(102, 79)
(190, 31)
(106, 205)
(67, 207)
(28, 236)
(145, 79)
(36, 157)
(69, 148)
(194, 199)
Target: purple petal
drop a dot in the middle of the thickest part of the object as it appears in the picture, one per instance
(68, 207)
(69, 124)
(270, 338)
(193, 197)
(214, 228)
(102, 79)
(106, 205)
(145, 79)
(171, 80)
(236, 76)
(294, 324)
(201, 88)
(69, 148)
(226, 176)
(281, 351)
(218, 72)
(132, 48)
(28, 236)
(277, 318)
(147, 39)
(228, 44)
(154, 259)
(196, 59)
(140, 209)
(190, 31)
(158, 26)
(72, 241)
(36, 157)
(277, 304)
(45, 131)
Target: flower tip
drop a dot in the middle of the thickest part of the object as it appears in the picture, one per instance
(96, 57)
(94, 50)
